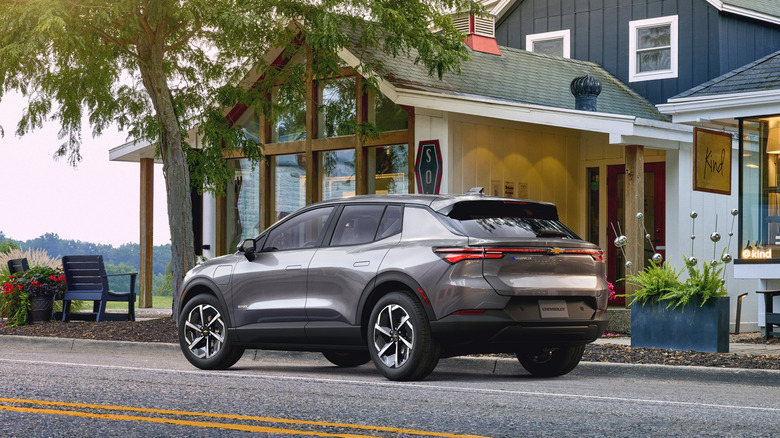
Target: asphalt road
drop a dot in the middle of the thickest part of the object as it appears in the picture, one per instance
(110, 390)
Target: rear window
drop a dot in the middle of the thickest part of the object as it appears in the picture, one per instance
(502, 219)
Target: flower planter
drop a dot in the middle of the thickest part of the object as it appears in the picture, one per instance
(41, 308)
(696, 328)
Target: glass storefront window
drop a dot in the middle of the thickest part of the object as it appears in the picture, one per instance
(290, 116)
(338, 174)
(759, 192)
(336, 107)
(388, 168)
(250, 123)
(385, 114)
(243, 203)
(288, 176)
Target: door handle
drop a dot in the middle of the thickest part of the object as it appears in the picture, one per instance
(293, 268)
(361, 264)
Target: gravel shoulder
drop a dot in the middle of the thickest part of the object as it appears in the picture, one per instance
(164, 330)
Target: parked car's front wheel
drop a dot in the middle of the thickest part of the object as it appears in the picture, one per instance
(551, 362)
(400, 340)
(203, 335)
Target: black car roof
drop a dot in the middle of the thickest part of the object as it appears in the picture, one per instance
(436, 202)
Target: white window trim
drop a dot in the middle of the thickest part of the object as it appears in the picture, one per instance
(633, 76)
(554, 35)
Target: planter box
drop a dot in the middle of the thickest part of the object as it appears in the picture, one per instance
(695, 328)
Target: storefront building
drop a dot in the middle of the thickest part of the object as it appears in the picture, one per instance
(508, 123)
(746, 102)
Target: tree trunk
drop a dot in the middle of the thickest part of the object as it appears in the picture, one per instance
(175, 168)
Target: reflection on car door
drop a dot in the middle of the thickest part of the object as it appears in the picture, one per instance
(270, 291)
(344, 266)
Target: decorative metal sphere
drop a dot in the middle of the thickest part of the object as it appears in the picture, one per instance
(657, 258)
(715, 236)
(734, 212)
(692, 261)
(731, 234)
(647, 236)
(693, 237)
(726, 258)
(629, 264)
(694, 215)
(621, 241)
(640, 215)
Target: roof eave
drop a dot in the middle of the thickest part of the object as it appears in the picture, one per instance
(719, 5)
(722, 106)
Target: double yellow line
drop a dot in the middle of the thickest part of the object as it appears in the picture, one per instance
(12, 404)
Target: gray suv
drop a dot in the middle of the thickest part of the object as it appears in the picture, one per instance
(402, 280)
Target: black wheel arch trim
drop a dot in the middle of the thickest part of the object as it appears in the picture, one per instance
(373, 291)
(203, 282)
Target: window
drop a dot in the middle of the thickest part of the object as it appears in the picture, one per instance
(338, 174)
(385, 114)
(289, 115)
(556, 43)
(301, 231)
(243, 201)
(759, 198)
(652, 49)
(357, 224)
(336, 107)
(289, 183)
(392, 222)
(249, 122)
(388, 168)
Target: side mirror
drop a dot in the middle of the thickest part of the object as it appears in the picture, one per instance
(248, 248)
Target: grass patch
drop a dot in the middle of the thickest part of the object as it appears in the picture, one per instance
(164, 302)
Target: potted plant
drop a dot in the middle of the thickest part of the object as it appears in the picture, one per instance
(29, 296)
(680, 315)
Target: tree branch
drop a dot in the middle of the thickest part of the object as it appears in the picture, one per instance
(184, 40)
(116, 42)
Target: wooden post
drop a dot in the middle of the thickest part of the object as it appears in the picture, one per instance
(634, 203)
(312, 179)
(361, 171)
(146, 270)
(412, 151)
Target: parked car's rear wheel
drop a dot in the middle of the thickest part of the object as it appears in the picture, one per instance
(400, 340)
(347, 359)
(551, 362)
(203, 335)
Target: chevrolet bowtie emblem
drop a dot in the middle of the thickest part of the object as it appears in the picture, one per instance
(555, 251)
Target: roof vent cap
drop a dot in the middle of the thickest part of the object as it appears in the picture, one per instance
(586, 90)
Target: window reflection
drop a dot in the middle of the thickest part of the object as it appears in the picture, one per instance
(249, 122)
(388, 169)
(385, 114)
(289, 184)
(337, 107)
(243, 201)
(290, 115)
(338, 174)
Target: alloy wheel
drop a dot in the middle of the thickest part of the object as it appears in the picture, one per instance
(393, 336)
(204, 331)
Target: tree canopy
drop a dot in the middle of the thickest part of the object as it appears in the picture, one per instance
(159, 69)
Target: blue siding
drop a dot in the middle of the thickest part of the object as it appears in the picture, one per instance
(710, 43)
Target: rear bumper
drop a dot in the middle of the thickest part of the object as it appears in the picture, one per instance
(495, 331)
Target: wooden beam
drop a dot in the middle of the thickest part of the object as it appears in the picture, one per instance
(311, 126)
(412, 152)
(146, 269)
(361, 170)
(634, 203)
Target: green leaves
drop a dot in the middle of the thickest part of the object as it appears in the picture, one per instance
(661, 282)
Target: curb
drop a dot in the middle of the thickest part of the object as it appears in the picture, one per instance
(483, 365)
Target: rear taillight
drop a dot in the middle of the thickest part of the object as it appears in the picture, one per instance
(455, 255)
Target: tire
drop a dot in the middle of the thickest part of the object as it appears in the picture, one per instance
(347, 359)
(551, 362)
(207, 346)
(400, 340)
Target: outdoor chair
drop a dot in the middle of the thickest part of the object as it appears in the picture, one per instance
(18, 265)
(86, 279)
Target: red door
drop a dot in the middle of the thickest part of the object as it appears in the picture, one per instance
(655, 220)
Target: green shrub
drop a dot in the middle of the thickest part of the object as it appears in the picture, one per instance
(660, 282)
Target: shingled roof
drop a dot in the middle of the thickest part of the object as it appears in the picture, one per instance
(518, 76)
(769, 7)
(760, 75)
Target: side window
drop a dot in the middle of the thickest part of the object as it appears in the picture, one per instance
(557, 43)
(302, 231)
(357, 224)
(392, 222)
(652, 46)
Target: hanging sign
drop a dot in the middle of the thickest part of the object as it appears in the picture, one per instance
(428, 167)
(711, 161)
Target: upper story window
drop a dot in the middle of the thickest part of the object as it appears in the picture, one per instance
(290, 115)
(337, 106)
(652, 49)
(250, 124)
(557, 43)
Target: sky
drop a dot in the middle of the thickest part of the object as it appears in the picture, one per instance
(98, 201)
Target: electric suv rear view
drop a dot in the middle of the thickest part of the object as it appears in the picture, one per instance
(402, 280)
